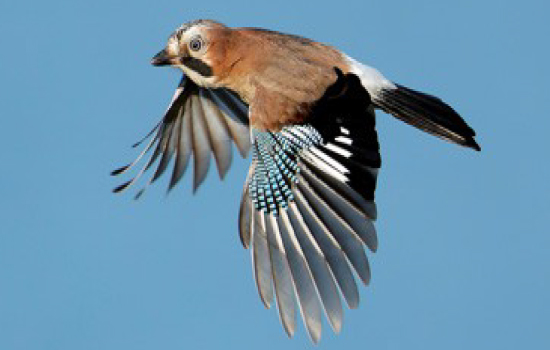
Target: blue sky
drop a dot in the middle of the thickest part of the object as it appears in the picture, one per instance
(464, 255)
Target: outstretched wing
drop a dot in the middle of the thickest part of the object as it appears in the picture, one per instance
(308, 208)
(198, 122)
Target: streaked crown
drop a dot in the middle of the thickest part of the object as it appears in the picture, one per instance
(187, 49)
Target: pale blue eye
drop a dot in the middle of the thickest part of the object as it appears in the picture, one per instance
(196, 44)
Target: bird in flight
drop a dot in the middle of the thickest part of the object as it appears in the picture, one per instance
(307, 113)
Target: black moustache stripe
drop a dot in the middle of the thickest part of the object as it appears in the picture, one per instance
(198, 66)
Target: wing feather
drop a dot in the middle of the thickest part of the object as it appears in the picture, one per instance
(282, 278)
(184, 146)
(261, 259)
(201, 144)
(346, 209)
(301, 277)
(233, 118)
(220, 140)
(331, 249)
(318, 265)
(345, 236)
(197, 122)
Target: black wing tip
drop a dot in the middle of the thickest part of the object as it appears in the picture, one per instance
(122, 187)
(170, 187)
(139, 194)
(120, 170)
(246, 244)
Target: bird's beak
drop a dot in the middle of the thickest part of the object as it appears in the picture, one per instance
(163, 59)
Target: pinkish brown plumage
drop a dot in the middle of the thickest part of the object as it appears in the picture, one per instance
(280, 83)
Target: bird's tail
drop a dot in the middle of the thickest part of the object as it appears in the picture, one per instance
(427, 113)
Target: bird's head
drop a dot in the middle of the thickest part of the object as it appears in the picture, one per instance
(194, 48)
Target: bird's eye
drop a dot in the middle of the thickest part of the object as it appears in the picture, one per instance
(196, 44)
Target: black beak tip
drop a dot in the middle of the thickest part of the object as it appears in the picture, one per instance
(155, 62)
(160, 59)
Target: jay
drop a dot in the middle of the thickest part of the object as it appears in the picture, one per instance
(306, 110)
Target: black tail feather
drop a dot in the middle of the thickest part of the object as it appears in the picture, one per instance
(427, 113)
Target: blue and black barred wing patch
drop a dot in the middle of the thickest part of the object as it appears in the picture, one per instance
(198, 122)
(276, 157)
(308, 207)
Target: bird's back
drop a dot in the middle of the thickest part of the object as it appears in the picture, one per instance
(289, 74)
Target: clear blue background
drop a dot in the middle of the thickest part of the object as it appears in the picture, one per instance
(464, 257)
